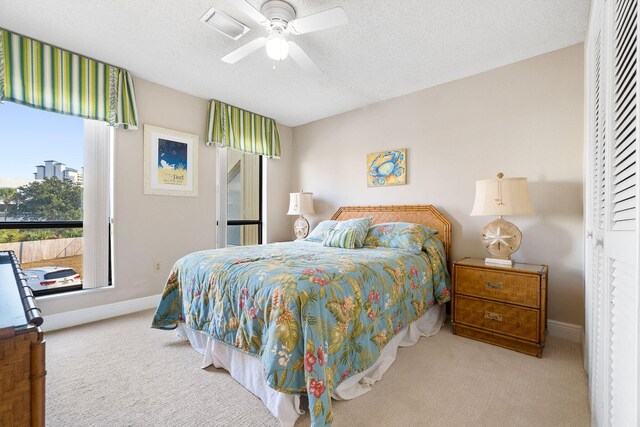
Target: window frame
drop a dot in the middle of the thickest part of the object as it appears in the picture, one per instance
(98, 146)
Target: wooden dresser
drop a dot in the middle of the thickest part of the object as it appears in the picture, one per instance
(505, 306)
(22, 363)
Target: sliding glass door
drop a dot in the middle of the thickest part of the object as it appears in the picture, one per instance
(240, 198)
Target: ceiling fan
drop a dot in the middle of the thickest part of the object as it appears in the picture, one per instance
(279, 18)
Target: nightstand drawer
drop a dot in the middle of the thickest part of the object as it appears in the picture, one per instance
(523, 289)
(519, 322)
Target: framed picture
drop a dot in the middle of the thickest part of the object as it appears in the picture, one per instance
(170, 162)
(387, 168)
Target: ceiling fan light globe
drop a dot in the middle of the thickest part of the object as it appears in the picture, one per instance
(277, 47)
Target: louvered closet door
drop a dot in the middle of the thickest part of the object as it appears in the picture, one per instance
(595, 271)
(621, 235)
(612, 213)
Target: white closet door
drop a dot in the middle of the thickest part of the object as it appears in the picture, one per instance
(611, 175)
(621, 235)
(595, 212)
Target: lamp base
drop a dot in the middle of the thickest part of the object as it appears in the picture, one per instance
(301, 228)
(501, 239)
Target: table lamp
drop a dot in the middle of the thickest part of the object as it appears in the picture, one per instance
(300, 204)
(501, 196)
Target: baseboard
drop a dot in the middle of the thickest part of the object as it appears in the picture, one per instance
(101, 312)
(67, 319)
(568, 331)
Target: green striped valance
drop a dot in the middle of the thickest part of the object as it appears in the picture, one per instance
(42, 76)
(235, 128)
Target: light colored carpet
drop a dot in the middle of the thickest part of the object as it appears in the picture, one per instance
(120, 372)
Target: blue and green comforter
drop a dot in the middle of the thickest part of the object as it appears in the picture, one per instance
(314, 315)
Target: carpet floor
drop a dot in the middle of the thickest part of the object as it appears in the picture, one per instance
(120, 372)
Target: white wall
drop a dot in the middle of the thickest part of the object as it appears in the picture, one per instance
(150, 229)
(524, 119)
(278, 173)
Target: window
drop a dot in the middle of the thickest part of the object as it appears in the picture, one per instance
(240, 190)
(54, 197)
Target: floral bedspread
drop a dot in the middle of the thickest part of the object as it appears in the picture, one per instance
(314, 315)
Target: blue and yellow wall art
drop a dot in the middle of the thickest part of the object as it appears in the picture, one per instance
(172, 162)
(387, 168)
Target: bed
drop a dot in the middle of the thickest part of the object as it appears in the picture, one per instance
(299, 318)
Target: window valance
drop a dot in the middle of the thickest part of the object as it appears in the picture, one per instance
(46, 77)
(242, 130)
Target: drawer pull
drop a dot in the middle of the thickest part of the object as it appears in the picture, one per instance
(494, 285)
(493, 316)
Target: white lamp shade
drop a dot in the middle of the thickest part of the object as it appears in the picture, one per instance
(300, 204)
(505, 196)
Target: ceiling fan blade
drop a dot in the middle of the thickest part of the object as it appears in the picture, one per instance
(245, 50)
(251, 12)
(303, 60)
(329, 18)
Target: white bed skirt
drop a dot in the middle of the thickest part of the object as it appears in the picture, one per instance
(248, 370)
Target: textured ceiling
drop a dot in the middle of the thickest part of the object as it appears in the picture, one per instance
(389, 48)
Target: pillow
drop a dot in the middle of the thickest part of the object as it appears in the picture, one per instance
(345, 238)
(428, 230)
(320, 232)
(400, 235)
(361, 225)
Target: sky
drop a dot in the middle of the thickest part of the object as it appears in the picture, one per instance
(29, 136)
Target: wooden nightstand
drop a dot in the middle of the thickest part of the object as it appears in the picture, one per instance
(501, 305)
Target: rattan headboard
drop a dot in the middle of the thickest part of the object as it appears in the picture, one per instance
(420, 214)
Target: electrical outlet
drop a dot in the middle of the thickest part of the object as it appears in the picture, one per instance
(156, 265)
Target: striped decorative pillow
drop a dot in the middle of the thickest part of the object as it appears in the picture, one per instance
(340, 238)
(361, 226)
